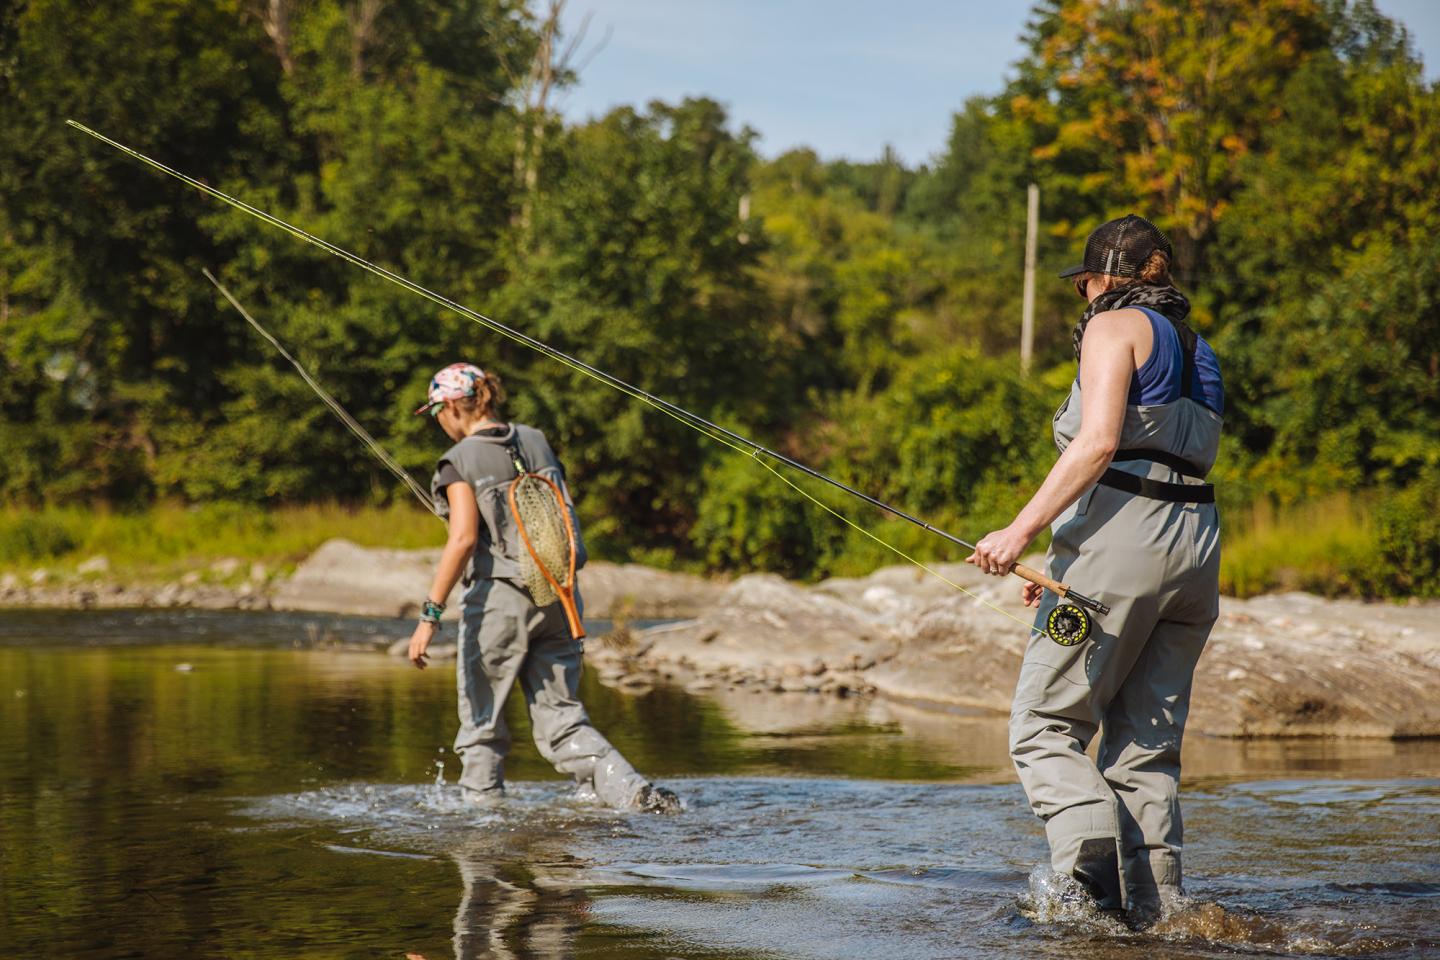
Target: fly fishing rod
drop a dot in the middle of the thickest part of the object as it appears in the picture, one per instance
(400, 472)
(713, 430)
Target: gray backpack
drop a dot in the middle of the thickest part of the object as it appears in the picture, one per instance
(486, 462)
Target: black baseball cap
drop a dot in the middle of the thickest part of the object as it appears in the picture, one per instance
(1119, 248)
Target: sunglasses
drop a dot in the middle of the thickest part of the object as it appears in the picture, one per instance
(1082, 282)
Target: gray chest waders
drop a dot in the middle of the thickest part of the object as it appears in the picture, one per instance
(508, 641)
(1146, 541)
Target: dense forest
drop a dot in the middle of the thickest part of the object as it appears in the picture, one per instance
(861, 317)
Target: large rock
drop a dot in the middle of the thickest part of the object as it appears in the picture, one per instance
(960, 650)
(763, 626)
(342, 577)
(908, 588)
(629, 590)
(955, 655)
(1276, 666)
(1300, 665)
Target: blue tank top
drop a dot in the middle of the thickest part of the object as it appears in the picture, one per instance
(1158, 380)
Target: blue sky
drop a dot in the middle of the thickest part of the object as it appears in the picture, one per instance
(845, 77)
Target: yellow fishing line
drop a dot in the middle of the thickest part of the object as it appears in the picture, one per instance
(553, 354)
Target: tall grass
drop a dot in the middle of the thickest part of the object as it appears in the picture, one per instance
(1327, 546)
(167, 540)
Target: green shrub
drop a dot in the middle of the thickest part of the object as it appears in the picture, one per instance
(751, 520)
(1326, 546)
(28, 537)
(957, 439)
(1409, 538)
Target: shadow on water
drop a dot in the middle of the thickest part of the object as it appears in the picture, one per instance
(195, 785)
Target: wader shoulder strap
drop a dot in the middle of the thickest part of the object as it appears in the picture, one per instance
(1188, 343)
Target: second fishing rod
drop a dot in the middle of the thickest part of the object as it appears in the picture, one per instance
(695, 421)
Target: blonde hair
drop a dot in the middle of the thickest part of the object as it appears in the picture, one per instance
(489, 395)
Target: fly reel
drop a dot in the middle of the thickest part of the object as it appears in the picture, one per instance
(1068, 625)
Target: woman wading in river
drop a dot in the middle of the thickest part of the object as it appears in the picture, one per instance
(1132, 518)
(504, 637)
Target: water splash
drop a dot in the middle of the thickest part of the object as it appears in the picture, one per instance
(1193, 921)
(1058, 898)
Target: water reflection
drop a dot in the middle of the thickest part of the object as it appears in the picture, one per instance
(508, 913)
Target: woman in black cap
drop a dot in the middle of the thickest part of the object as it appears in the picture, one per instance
(1133, 520)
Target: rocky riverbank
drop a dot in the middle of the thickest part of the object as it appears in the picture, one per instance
(1276, 666)
(227, 584)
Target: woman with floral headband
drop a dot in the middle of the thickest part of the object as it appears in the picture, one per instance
(504, 637)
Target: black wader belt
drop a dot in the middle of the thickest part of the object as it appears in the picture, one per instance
(1158, 489)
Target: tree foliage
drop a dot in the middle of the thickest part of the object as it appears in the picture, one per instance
(859, 316)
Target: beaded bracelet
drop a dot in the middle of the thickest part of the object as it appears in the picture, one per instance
(430, 611)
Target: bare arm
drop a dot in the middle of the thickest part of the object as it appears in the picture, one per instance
(464, 528)
(1113, 342)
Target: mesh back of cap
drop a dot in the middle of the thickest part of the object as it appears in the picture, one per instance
(1120, 248)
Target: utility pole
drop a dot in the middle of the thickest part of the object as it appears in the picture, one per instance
(1027, 304)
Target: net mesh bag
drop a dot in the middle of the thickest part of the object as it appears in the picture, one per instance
(540, 513)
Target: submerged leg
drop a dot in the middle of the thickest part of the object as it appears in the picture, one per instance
(562, 729)
(491, 651)
(1059, 701)
(1140, 759)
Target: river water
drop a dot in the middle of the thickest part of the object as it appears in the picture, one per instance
(266, 786)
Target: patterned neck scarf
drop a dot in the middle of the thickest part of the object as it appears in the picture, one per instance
(1166, 301)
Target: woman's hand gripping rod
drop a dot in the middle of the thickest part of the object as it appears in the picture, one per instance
(1020, 570)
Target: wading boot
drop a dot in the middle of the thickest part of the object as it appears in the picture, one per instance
(653, 799)
(1150, 905)
(492, 797)
(1097, 868)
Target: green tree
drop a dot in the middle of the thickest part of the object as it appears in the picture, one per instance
(1327, 275)
(98, 341)
(383, 126)
(953, 440)
(641, 268)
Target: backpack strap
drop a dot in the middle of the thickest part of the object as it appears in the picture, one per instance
(512, 446)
